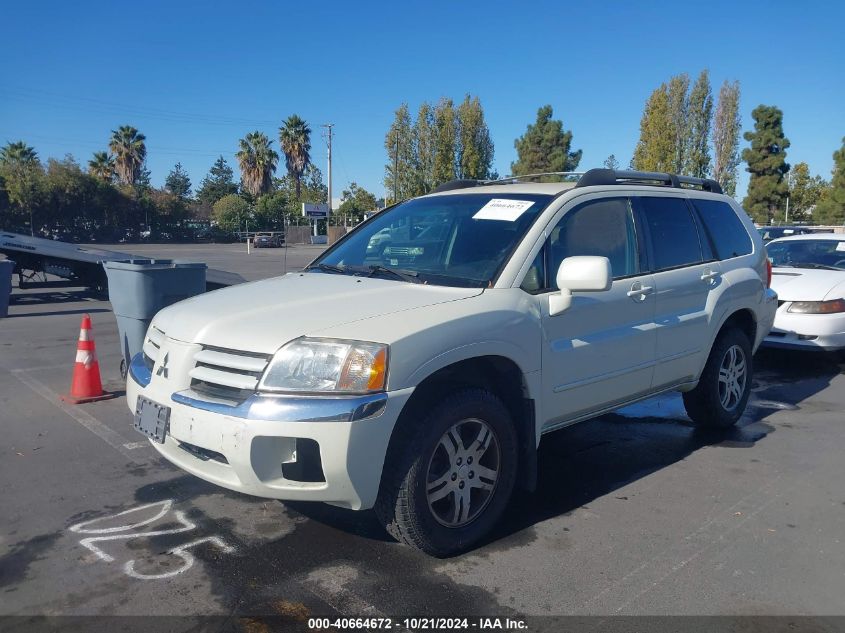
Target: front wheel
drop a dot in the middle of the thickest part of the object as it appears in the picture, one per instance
(722, 393)
(452, 474)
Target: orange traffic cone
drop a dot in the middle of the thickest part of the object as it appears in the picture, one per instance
(86, 385)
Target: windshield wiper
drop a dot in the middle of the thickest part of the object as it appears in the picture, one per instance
(328, 268)
(410, 277)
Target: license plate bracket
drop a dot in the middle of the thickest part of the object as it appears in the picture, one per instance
(152, 419)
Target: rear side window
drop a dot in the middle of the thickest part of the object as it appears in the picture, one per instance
(726, 231)
(673, 233)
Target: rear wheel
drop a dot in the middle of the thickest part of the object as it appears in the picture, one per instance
(452, 475)
(722, 393)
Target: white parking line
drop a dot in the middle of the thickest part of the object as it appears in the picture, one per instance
(112, 438)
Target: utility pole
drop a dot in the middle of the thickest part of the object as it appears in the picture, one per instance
(328, 136)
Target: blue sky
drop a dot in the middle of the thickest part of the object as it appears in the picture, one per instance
(196, 76)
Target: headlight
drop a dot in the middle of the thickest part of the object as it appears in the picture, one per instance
(817, 307)
(309, 364)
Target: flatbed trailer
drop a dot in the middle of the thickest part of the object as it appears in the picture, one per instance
(36, 257)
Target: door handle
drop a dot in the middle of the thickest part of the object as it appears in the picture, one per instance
(709, 275)
(639, 291)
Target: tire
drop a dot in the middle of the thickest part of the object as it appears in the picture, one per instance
(719, 401)
(418, 499)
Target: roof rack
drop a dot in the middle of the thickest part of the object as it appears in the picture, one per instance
(652, 178)
(463, 183)
(524, 177)
(595, 177)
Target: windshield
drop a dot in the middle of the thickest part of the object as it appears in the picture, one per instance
(808, 254)
(452, 240)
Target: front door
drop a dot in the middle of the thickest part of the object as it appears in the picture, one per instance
(600, 351)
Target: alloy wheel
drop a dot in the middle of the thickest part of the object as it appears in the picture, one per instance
(733, 374)
(463, 472)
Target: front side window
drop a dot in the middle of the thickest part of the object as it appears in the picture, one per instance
(603, 228)
(454, 240)
(726, 231)
(673, 233)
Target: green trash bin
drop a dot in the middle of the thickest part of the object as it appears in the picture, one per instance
(139, 288)
(7, 267)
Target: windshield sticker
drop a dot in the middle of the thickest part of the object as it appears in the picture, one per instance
(500, 209)
(840, 246)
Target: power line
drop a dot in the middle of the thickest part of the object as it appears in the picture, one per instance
(70, 142)
(87, 104)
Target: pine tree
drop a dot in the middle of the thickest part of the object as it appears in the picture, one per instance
(726, 129)
(655, 150)
(178, 183)
(400, 171)
(831, 208)
(700, 115)
(545, 147)
(805, 191)
(766, 158)
(475, 147)
(445, 131)
(219, 182)
(143, 180)
(610, 162)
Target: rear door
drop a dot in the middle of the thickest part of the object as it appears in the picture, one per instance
(686, 273)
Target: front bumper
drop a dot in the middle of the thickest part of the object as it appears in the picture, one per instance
(821, 332)
(246, 447)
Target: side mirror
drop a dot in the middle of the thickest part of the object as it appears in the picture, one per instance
(584, 273)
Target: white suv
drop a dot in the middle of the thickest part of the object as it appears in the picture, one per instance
(419, 379)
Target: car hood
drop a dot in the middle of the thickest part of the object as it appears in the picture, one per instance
(807, 284)
(264, 315)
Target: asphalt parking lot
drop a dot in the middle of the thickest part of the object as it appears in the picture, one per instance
(260, 263)
(637, 513)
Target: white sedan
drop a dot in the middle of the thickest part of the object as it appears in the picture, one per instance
(808, 273)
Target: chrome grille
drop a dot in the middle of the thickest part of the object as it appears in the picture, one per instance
(152, 345)
(228, 374)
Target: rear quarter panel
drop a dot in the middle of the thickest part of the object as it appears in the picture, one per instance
(744, 280)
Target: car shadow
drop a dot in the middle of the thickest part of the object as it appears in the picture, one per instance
(51, 296)
(581, 463)
(592, 459)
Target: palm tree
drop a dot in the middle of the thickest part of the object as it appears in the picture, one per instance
(101, 166)
(127, 145)
(18, 154)
(295, 140)
(257, 161)
(21, 161)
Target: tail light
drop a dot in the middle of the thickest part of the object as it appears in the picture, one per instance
(768, 273)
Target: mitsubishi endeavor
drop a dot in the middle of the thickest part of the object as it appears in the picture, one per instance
(418, 378)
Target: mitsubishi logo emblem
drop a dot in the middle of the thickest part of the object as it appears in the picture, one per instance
(162, 366)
